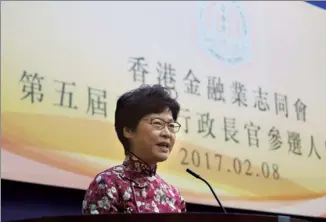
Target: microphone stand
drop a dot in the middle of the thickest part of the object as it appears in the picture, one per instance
(210, 187)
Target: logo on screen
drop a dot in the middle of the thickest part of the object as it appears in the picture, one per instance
(224, 32)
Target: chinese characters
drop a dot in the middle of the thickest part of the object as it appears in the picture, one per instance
(32, 89)
(217, 90)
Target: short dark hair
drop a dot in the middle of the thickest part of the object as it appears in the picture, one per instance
(133, 105)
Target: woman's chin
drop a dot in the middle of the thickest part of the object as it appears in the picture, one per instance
(161, 156)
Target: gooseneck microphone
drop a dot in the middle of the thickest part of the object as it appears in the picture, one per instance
(199, 177)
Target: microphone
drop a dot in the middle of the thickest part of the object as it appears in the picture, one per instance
(199, 177)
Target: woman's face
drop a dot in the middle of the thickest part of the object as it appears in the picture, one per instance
(154, 137)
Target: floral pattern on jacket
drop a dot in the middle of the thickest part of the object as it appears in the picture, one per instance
(133, 187)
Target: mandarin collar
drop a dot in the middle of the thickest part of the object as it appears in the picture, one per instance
(135, 164)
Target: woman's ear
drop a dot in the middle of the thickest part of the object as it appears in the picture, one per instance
(127, 132)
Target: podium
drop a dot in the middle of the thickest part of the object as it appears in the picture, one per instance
(151, 217)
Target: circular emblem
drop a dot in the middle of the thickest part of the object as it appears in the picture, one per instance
(223, 31)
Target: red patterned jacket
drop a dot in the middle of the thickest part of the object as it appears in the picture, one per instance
(132, 187)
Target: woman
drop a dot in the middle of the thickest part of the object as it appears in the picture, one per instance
(145, 123)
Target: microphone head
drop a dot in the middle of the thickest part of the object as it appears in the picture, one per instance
(192, 173)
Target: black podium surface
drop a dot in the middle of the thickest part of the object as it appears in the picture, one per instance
(185, 217)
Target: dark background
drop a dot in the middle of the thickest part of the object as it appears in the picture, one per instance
(25, 200)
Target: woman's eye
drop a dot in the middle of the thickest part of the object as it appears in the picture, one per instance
(171, 126)
(157, 123)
